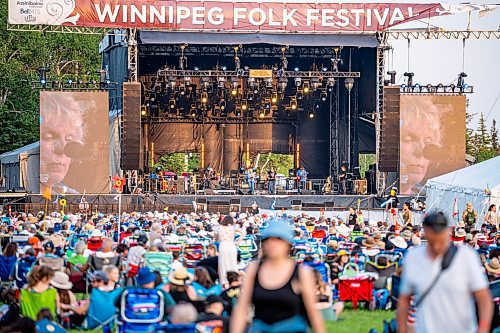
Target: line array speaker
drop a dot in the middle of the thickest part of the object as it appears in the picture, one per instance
(131, 125)
(389, 132)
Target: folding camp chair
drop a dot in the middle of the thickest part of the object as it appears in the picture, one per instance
(159, 261)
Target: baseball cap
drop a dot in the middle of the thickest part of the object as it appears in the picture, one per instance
(436, 222)
(100, 276)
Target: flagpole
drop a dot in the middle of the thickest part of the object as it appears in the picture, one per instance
(119, 215)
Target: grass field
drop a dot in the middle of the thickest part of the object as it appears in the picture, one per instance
(359, 321)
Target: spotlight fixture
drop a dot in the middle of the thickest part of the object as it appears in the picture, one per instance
(172, 82)
(223, 68)
(187, 81)
(204, 97)
(269, 82)
(296, 69)
(251, 82)
(298, 82)
(330, 82)
(293, 104)
(274, 98)
(282, 83)
(222, 105)
(349, 83)
(262, 113)
(205, 82)
(250, 96)
(306, 87)
(417, 88)
(244, 105)
(325, 69)
(144, 111)
(410, 76)
(323, 96)
(392, 75)
(299, 96)
(311, 114)
(196, 68)
(42, 74)
(171, 104)
(315, 83)
(192, 110)
(103, 78)
(237, 112)
(221, 81)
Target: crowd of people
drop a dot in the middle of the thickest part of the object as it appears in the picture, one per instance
(203, 272)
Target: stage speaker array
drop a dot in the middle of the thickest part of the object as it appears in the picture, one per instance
(131, 125)
(389, 133)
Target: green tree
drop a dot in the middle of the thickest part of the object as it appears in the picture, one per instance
(175, 162)
(21, 54)
(483, 135)
(494, 137)
(471, 148)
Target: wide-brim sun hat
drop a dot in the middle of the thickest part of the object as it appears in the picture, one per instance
(493, 266)
(278, 230)
(399, 242)
(60, 280)
(180, 277)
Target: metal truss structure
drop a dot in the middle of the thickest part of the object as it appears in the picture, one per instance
(381, 177)
(439, 33)
(216, 120)
(133, 66)
(334, 133)
(59, 29)
(246, 73)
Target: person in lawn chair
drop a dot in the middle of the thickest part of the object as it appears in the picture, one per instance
(385, 270)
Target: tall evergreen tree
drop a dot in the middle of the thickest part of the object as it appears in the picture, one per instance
(494, 137)
(483, 135)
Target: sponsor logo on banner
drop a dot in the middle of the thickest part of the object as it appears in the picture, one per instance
(246, 16)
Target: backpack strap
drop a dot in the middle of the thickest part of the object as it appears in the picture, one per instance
(445, 264)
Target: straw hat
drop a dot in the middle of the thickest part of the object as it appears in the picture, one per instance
(60, 280)
(399, 242)
(333, 244)
(493, 266)
(180, 276)
(460, 233)
(368, 242)
(461, 224)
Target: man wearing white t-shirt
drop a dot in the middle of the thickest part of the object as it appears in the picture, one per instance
(449, 305)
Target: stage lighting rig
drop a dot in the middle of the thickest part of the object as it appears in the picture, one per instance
(274, 98)
(269, 83)
(409, 76)
(172, 82)
(392, 75)
(306, 87)
(204, 97)
(234, 86)
(298, 82)
(244, 105)
(42, 75)
(315, 83)
(323, 96)
(293, 104)
(282, 83)
(330, 82)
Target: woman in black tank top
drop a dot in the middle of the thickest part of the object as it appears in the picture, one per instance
(282, 292)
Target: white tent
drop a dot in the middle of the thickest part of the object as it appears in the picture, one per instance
(20, 168)
(469, 184)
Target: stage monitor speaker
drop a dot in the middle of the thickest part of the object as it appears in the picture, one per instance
(389, 132)
(307, 192)
(296, 204)
(235, 202)
(244, 191)
(131, 127)
(280, 191)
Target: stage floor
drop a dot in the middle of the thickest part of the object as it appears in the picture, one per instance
(161, 201)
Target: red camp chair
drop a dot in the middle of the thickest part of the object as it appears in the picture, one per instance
(94, 243)
(356, 290)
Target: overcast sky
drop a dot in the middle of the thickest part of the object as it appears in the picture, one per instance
(440, 61)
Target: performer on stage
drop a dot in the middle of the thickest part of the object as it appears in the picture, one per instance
(250, 176)
(343, 178)
(302, 175)
(271, 178)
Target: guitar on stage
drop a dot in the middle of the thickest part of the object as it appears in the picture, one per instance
(327, 187)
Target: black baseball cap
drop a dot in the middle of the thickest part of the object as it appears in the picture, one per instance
(436, 221)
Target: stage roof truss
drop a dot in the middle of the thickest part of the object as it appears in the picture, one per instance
(247, 51)
(245, 73)
(216, 120)
(60, 29)
(442, 34)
